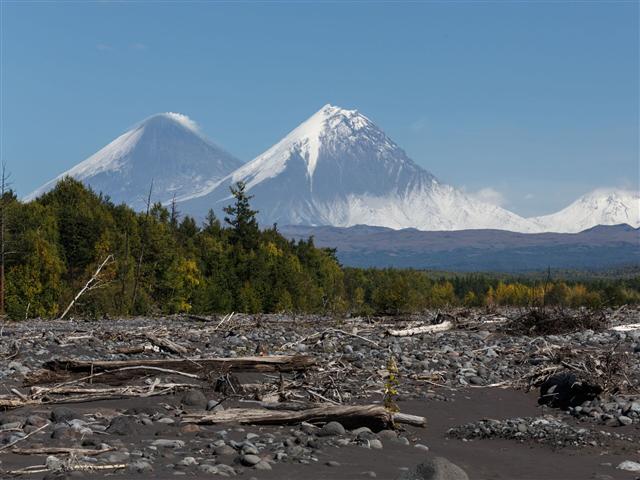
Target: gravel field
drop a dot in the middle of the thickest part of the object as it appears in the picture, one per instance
(262, 397)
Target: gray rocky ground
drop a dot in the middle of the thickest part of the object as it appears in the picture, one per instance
(475, 384)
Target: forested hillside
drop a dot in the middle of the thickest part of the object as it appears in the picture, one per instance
(159, 261)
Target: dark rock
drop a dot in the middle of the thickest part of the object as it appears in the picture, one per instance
(565, 390)
(331, 429)
(123, 425)
(194, 398)
(63, 414)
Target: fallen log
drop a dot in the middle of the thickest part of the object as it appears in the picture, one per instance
(375, 417)
(407, 332)
(166, 344)
(61, 451)
(202, 366)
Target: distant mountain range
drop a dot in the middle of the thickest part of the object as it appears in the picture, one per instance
(601, 247)
(336, 169)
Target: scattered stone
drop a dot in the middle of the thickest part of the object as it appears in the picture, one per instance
(375, 444)
(263, 465)
(214, 405)
(436, 468)
(250, 460)
(122, 425)
(188, 462)
(140, 466)
(165, 443)
(331, 429)
(63, 414)
(629, 466)
(194, 398)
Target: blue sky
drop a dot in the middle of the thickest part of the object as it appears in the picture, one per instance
(531, 103)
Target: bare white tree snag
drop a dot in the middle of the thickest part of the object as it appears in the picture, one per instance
(88, 285)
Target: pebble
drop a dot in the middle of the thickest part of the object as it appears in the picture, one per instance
(375, 444)
(165, 443)
(250, 460)
(262, 465)
(629, 466)
(625, 420)
(140, 466)
(188, 462)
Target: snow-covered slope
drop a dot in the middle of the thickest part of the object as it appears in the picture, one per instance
(600, 207)
(167, 149)
(338, 168)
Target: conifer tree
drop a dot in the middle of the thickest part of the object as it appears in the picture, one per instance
(242, 219)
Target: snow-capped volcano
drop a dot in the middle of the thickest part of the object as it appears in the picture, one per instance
(600, 207)
(338, 168)
(167, 149)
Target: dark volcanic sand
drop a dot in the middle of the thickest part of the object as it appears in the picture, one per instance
(482, 459)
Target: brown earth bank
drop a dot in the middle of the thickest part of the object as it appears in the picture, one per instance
(239, 396)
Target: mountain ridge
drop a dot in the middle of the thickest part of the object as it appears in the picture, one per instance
(335, 168)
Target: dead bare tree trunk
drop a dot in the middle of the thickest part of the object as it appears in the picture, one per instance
(93, 278)
(136, 282)
(3, 218)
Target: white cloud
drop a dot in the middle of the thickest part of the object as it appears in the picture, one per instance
(529, 196)
(183, 120)
(419, 125)
(489, 195)
(138, 46)
(104, 47)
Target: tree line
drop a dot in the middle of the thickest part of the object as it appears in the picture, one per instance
(124, 262)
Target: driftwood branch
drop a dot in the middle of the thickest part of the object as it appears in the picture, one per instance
(440, 327)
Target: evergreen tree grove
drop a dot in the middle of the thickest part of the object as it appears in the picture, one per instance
(165, 263)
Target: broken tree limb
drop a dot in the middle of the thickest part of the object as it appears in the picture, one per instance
(9, 445)
(407, 419)
(86, 286)
(440, 327)
(375, 417)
